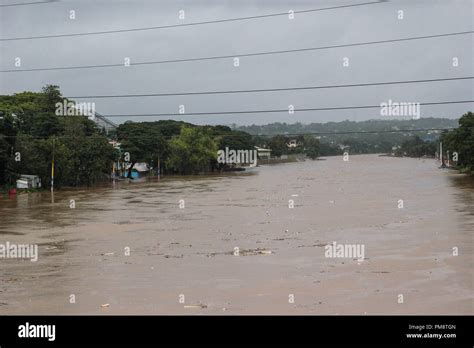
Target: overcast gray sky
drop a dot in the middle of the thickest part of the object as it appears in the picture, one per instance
(410, 60)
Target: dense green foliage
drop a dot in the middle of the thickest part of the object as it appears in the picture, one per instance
(146, 141)
(461, 141)
(311, 146)
(349, 126)
(181, 147)
(31, 134)
(193, 151)
(416, 147)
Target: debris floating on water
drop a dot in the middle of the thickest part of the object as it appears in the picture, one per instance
(199, 306)
(257, 251)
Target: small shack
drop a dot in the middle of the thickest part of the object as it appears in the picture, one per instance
(139, 170)
(28, 181)
(263, 154)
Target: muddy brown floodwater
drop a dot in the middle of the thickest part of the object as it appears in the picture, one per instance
(188, 254)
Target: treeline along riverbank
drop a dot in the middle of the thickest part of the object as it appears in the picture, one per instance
(36, 140)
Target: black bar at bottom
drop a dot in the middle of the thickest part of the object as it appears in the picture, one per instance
(222, 330)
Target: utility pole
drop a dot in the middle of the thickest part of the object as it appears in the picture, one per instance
(441, 152)
(52, 168)
(158, 167)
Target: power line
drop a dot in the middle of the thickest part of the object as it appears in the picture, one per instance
(265, 53)
(255, 135)
(188, 24)
(318, 133)
(28, 3)
(275, 110)
(366, 132)
(270, 89)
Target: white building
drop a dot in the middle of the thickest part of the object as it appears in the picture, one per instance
(293, 143)
(263, 153)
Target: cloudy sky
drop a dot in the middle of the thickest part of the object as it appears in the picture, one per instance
(397, 61)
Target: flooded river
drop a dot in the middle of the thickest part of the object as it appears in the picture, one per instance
(168, 246)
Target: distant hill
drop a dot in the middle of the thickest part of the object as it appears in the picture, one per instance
(349, 126)
(373, 136)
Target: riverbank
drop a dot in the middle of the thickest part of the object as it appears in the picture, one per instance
(154, 176)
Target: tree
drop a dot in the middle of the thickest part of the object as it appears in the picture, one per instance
(90, 156)
(192, 152)
(30, 128)
(416, 147)
(311, 146)
(144, 142)
(461, 140)
(278, 145)
(234, 140)
(7, 141)
(147, 141)
(50, 96)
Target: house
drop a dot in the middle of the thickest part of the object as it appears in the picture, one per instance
(28, 181)
(115, 144)
(343, 147)
(293, 143)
